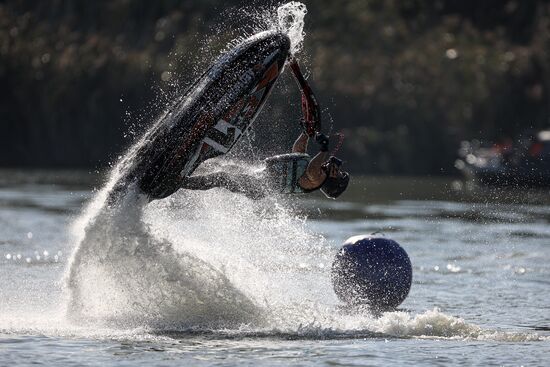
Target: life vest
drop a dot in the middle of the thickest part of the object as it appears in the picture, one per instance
(285, 171)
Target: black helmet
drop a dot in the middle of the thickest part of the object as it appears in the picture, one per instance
(334, 186)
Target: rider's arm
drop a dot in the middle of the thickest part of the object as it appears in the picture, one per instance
(314, 176)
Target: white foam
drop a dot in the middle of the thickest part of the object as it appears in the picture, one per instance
(290, 17)
(130, 271)
(121, 274)
(436, 324)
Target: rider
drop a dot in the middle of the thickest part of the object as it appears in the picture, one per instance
(290, 173)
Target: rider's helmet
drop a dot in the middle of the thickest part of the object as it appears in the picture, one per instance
(337, 180)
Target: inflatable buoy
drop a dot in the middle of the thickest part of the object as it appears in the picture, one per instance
(373, 271)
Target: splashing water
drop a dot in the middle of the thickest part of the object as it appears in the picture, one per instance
(129, 269)
(126, 276)
(290, 18)
(218, 261)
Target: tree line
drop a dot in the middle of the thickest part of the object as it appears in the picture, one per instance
(404, 81)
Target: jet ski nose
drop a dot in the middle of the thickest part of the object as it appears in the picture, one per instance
(284, 42)
(268, 41)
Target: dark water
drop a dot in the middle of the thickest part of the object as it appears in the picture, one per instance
(479, 295)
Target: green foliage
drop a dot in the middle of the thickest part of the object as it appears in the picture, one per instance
(404, 80)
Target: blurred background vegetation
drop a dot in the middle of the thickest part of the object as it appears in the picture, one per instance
(405, 80)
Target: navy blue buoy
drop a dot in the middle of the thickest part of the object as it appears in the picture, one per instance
(374, 271)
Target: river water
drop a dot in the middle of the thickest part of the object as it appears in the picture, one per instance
(261, 275)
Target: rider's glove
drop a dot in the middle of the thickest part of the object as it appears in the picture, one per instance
(322, 140)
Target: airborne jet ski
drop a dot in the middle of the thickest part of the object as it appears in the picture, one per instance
(209, 118)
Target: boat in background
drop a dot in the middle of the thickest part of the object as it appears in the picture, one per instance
(524, 164)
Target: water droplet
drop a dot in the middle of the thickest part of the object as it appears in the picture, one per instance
(8, 256)
(29, 235)
(166, 76)
(451, 54)
(291, 21)
(453, 268)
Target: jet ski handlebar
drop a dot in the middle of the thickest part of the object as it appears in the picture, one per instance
(310, 107)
